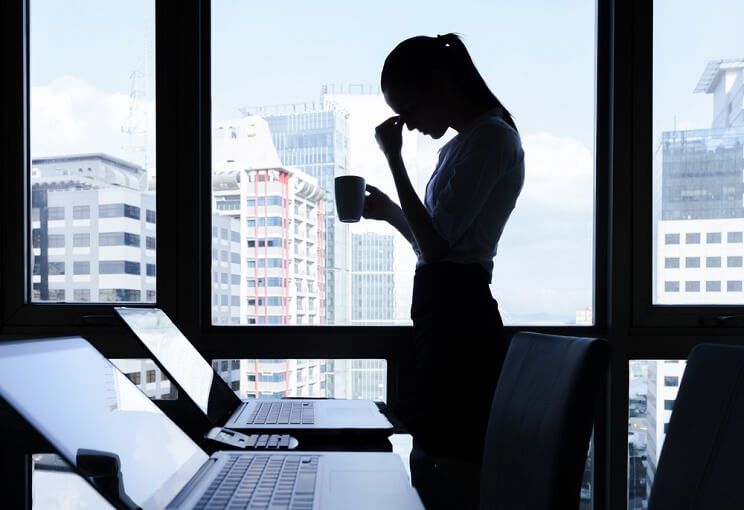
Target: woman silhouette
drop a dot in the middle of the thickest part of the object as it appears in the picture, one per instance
(449, 373)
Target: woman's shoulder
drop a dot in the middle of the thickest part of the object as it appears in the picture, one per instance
(494, 130)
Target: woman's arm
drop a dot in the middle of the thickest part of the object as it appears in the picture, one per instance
(433, 246)
(378, 206)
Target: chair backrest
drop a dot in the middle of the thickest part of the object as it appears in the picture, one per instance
(541, 420)
(700, 463)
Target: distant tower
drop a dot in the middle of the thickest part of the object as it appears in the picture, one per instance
(135, 126)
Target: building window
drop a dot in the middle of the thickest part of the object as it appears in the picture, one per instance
(149, 216)
(692, 262)
(734, 237)
(692, 286)
(150, 270)
(81, 240)
(671, 262)
(118, 211)
(118, 239)
(81, 212)
(671, 380)
(734, 261)
(713, 237)
(56, 240)
(150, 374)
(105, 295)
(712, 261)
(150, 243)
(81, 267)
(56, 213)
(733, 286)
(671, 239)
(134, 377)
(692, 238)
(713, 286)
(668, 405)
(671, 286)
(81, 294)
(118, 267)
(235, 385)
(223, 365)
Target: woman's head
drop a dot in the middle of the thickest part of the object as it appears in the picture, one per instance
(425, 78)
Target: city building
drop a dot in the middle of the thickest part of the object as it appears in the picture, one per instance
(700, 232)
(93, 230)
(313, 138)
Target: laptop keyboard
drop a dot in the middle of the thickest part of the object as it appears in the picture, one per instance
(283, 413)
(263, 481)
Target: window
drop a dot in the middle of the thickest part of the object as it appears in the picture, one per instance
(734, 237)
(671, 380)
(150, 243)
(671, 262)
(91, 137)
(151, 270)
(692, 238)
(81, 212)
(81, 240)
(733, 286)
(692, 262)
(118, 267)
(81, 267)
(712, 286)
(713, 237)
(671, 286)
(734, 261)
(150, 216)
(692, 286)
(712, 261)
(150, 374)
(671, 239)
(288, 220)
(668, 405)
(134, 377)
(81, 295)
(105, 295)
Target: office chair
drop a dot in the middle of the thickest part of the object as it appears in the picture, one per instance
(700, 462)
(538, 431)
(541, 421)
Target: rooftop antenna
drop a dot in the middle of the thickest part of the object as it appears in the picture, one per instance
(135, 126)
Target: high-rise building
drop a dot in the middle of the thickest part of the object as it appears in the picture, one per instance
(700, 232)
(313, 138)
(700, 235)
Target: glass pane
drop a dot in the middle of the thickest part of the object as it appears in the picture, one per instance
(92, 180)
(289, 117)
(653, 388)
(698, 143)
(146, 375)
(334, 378)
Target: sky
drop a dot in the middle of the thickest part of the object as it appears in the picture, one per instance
(536, 55)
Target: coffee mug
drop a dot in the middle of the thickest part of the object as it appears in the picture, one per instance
(349, 192)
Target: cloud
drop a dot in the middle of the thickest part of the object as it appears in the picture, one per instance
(558, 174)
(71, 116)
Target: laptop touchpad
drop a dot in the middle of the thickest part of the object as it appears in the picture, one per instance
(367, 488)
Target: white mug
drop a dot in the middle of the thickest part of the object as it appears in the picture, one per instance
(349, 193)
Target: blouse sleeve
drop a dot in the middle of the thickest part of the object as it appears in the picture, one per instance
(491, 152)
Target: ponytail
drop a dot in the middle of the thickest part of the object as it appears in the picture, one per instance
(414, 61)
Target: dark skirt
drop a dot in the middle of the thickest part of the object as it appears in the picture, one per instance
(449, 372)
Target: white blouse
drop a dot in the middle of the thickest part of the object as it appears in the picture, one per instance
(474, 188)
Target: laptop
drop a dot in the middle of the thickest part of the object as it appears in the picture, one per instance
(115, 437)
(195, 377)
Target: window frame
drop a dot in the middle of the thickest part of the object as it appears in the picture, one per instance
(182, 99)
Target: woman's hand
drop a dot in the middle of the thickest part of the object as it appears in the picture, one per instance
(389, 136)
(377, 205)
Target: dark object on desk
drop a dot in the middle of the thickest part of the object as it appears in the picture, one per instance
(538, 431)
(700, 463)
(227, 437)
(103, 469)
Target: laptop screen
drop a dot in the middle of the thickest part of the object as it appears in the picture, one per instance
(180, 360)
(92, 414)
